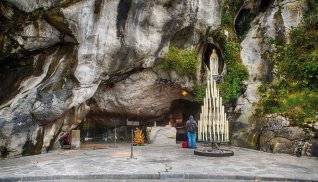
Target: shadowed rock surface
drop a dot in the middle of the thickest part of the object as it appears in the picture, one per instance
(57, 54)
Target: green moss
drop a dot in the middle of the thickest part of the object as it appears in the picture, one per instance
(226, 19)
(236, 72)
(183, 61)
(311, 15)
(300, 107)
(199, 93)
(300, 56)
(294, 94)
(229, 10)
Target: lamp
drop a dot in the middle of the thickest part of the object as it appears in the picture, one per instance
(184, 93)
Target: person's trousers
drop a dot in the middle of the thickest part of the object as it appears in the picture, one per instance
(192, 139)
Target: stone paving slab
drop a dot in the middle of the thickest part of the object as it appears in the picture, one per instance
(158, 162)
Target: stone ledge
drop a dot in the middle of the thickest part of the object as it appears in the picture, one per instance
(159, 176)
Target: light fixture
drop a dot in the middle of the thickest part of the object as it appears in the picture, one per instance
(184, 93)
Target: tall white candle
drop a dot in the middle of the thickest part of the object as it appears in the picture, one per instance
(213, 122)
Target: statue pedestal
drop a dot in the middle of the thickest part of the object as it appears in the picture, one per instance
(215, 77)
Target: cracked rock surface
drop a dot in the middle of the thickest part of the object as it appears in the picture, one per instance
(57, 54)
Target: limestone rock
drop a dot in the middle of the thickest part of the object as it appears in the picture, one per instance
(162, 135)
(72, 50)
(292, 14)
(276, 122)
(138, 94)
(251, 55)
(275, 133)
(38, 35)
(315, 126)
(292, 133)
(31, 5)
(279, 126)
(282, 145)
(279, 137)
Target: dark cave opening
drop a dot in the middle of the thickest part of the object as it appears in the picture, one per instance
(246, 16)
(265, 4)
(99, 127)
(243, 22)
(13, 71)
(207, 55)
(180, 110)
(4, 152)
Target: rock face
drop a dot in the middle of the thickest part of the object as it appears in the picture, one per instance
(139, 94)
(279, 137)
(60, 53)
(57, 57)
(162, 135)
(274, 133)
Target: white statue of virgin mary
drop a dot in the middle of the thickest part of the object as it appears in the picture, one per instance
(214, 65)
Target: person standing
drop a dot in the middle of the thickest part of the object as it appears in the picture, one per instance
(191, 126)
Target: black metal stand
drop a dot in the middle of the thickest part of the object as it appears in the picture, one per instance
(115, 137)
(132, 144)
(132, 124)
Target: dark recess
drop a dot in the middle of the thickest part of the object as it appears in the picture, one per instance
(265, 4)
(97, 6)
(207, 54)
(243, 21)
(187, 107)
(122, 15)
(4, 152)
(12, 72)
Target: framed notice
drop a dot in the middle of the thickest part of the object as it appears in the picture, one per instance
(132, 123)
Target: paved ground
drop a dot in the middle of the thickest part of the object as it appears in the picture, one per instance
(157, 162)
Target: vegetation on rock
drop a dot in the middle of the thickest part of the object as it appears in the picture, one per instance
(199, 93)
(236, 72)
(294, 93)
(183, 61)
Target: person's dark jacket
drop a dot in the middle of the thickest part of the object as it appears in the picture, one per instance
(188, 124)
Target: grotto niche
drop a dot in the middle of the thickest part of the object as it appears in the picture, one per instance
(207, 55)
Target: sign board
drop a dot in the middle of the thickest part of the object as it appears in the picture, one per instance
(132, 123)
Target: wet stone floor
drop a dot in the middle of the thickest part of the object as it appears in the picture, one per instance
(157, 162)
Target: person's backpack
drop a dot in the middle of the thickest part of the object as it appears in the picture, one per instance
(192, 127)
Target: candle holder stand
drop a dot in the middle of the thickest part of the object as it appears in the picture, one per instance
(212, 149)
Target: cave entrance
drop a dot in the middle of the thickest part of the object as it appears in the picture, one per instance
(207, 55)
(94, 131)
(99, 131)
(243, 21)
(180, 111)
(265, 4)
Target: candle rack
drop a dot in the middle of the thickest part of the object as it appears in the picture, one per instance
(213, 126)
